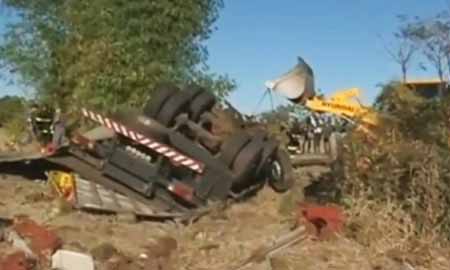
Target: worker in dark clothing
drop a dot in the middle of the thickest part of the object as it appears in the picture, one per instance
(59, 129)
(31, 125)
(40, 120)
(47, 126)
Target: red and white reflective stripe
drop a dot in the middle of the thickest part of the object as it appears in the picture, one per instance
(176, 157)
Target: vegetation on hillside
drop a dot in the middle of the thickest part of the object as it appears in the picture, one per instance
(110, 53)
(10, 107)
(407, 165)
(13, 116)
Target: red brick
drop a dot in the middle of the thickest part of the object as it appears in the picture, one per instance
(17, 261)
(42, 241)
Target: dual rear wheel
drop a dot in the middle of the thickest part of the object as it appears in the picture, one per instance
(245, 155)
(169, 102)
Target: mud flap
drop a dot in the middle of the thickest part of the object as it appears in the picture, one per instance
(214, 185)
(216, 180)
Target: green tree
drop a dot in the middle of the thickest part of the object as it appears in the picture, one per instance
(109, 53)
(432, 38)
(416, 117)
(10, 107)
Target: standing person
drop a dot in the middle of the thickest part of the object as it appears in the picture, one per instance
(31, 123)
(59, 129)
(317, 132)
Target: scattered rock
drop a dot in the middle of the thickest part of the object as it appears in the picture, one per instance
(143, 256)
(104, 252)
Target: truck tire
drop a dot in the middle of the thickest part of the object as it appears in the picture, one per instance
(176, 104)
(281, 174)
(270, 147)
(202, 103)
(162, 93)
(194, 90)
(245, 164)
(231, 147)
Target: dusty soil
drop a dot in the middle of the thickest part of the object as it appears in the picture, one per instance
(219, 241)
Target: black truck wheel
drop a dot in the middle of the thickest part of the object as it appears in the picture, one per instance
(281, 174)
(194, 90)
(270, 147)
(231, 147)
(162, 93)
(246, 162)
(176, 104)
(202, 103)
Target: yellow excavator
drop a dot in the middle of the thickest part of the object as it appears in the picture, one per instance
(297, 85)
(314, 142)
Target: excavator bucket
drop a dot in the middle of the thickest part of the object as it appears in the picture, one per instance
(297, 85)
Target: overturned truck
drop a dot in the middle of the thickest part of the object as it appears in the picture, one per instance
(179, 144)
(185, 149)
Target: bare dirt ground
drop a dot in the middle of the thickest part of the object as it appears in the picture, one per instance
(219, 241)
(375, 239)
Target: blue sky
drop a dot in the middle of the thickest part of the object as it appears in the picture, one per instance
(343, 41)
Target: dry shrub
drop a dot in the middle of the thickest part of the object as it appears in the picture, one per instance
(16, 128)
(407, 163)
(388, 233)
(379, 226)
(408, 173)
(379, 235)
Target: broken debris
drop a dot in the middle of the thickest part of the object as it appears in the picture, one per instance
(95, 197)
(69, 260)
(322, 221)
(41, 241)
(63, 184)
(17, 261)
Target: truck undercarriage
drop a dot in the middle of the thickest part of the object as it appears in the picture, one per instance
(185, 150)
